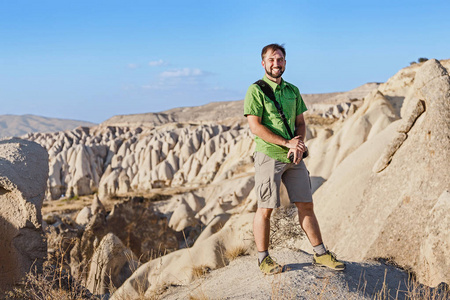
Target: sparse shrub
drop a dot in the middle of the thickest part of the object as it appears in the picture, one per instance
(422, 59)
(284, 228)
(233, 253)
(52, 284)
(200, 271)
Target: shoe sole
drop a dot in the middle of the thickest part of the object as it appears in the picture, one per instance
(324, 266)
(273, 273)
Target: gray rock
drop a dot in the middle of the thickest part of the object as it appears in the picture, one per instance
(23, 181)
(84, 216)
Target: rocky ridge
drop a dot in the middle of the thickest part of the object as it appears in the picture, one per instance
(17, 125)
(330, 105)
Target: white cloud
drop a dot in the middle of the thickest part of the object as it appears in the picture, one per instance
(185, 72)
(157, 63)
(132, 66)
(177, 79)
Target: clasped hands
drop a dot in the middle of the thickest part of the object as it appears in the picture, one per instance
(296, 147)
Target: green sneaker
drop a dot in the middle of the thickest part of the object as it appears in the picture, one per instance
(269, 266)
(329, 260)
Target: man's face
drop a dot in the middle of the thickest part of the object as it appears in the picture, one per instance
(274, 63)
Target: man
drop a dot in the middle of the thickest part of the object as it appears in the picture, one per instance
(272, 164)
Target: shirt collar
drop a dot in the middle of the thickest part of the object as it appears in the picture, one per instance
(274, 85)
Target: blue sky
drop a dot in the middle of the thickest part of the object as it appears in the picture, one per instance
(91, 60)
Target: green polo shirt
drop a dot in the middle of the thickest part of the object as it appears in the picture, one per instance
(257, 104)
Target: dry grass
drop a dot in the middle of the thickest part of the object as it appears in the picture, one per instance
(51, 284)
(233, 253)
(417, 291)
(200, 271)
(324, 289)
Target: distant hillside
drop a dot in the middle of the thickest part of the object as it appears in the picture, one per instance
(228, 110)
(14, 125)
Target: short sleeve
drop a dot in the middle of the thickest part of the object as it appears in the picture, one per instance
(301, 106)
(253, 102)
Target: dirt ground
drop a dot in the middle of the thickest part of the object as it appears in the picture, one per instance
(300, 280)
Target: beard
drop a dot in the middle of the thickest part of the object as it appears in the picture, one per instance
(274, 75)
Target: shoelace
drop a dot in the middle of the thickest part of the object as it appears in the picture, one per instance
(333, 256)
(270, 261)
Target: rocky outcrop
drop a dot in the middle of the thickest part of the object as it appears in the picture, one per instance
(111, 264)
(402, 134)
(399, 211)
(23, 177)
(329, 147)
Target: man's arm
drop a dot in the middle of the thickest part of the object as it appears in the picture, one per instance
(300, 132)
(267, 135)
(300, 127)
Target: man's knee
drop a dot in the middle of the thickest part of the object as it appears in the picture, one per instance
(264, 213)
(305, 206)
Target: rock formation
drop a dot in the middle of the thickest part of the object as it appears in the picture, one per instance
(114, 160)
(398, 209)
(23, 177)
(111, 264)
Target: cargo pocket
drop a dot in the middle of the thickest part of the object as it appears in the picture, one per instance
(265, 191)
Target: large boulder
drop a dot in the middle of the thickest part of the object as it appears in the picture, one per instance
(397, 206)
(23, 181)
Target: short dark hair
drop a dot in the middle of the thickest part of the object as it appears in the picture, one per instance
(273, 47)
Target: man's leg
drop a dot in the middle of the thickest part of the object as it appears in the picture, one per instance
(261, 228)
(309, 223)
(267, 184)
(261, 231)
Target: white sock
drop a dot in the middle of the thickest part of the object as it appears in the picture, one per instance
(320, 249)
(262, 255)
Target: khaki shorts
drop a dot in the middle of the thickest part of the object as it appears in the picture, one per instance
(270, 172)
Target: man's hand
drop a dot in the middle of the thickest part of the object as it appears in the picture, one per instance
(296, 148)
(298, 155)
(296, 144)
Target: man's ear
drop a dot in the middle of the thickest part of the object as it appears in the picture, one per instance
(262, 63)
